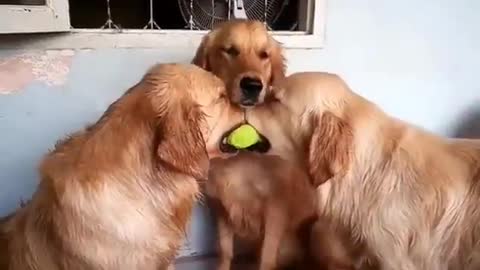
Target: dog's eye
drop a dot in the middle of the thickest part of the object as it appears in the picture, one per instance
(231, 51)
(263, 55)
(221, 98)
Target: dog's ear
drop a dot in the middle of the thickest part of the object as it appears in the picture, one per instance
(201, 56)
(180, 145)
(330, 147)
(278, 63)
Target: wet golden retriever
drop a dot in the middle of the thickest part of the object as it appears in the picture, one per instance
(408, 197)
(251, 63)
(245, 57)
(271, 207)
(119, 194)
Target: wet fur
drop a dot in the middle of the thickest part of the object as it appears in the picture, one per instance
(119, 194)
(403, 197)
(250, 39)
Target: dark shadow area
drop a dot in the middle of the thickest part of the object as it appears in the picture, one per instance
(470, 126)
(126, 14)
(23, 2)
(88, 14)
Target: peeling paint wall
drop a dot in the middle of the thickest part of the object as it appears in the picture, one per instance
(49, 67)
(420, 64)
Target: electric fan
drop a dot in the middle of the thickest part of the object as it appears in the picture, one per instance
(205, 14)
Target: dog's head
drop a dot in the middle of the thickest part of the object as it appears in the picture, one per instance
(193, 114)
(309, 122)
(245, 57)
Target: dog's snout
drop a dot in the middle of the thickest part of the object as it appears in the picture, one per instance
(251, 87)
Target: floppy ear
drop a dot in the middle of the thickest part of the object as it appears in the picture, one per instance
(201, 56)
(278, 63)
(330, 147)
(180, 145)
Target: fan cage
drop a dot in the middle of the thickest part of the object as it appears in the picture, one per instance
(206, 14)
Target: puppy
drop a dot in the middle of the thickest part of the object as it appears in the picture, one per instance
(119, 194)
(271, 207)
(408, 197)
(245, 57)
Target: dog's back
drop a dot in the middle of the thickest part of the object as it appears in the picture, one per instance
(118, 194)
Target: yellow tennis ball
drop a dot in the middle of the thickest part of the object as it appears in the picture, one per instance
(243, 137)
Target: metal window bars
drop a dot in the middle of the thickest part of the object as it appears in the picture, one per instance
(152, 24)
(109, 24)
(236, 9)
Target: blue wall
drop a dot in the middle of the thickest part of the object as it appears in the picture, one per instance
(420, 60)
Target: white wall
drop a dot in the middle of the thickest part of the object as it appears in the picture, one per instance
(420, 60)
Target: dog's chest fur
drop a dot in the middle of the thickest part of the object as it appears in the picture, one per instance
(243, 206)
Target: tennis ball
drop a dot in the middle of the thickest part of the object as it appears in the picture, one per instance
(243, 137)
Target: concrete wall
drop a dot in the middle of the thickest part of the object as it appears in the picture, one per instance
(420, 60)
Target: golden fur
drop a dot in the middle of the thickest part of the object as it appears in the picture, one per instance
(234, 50)
(408, 198)
(242, 48)
(118, 195)
(271, 207)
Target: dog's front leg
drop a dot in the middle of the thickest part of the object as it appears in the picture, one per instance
(225, 244)
(275, 226)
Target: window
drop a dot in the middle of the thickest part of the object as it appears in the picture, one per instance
(32, 16)
(148, 23)
(179, 14)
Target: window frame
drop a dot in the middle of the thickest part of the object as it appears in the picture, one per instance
(51, 17)
(312, 38)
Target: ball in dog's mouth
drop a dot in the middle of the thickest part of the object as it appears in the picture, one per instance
(228, 145)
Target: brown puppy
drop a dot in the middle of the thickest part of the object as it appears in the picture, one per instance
(119, 194)
(245, 57)
(408, 196)
(271, 207)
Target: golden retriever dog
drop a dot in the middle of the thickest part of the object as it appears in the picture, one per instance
(250, 62)
(272, 207)
(245, 57)
(408, 197)
(119, 194)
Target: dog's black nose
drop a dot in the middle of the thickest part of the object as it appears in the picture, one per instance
(251, 87)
